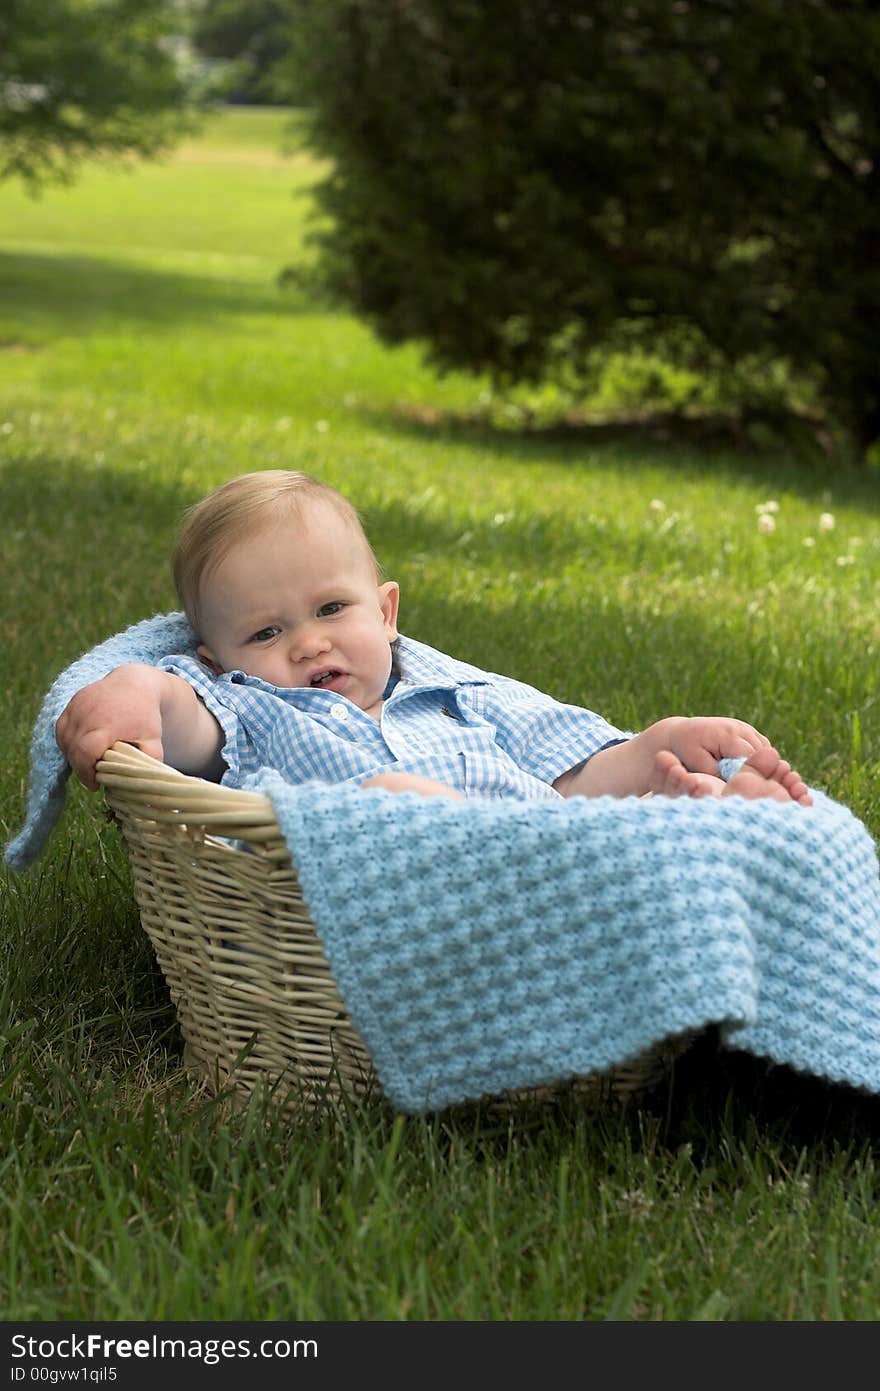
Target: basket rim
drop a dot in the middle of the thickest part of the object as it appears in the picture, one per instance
(126, 771)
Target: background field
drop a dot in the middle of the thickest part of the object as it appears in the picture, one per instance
(149, 351)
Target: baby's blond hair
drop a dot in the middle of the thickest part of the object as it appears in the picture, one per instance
(237, 510)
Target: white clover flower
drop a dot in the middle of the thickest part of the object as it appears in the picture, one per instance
(764, 508)
(7, 427)
(657, 505)
(766, 523)
(809, 540)
(826, 521)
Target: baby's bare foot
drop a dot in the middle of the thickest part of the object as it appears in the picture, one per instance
(670, 778)
(765, 774)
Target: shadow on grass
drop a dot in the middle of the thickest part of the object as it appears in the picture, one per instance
(716, 1104)
(730, 1116)
(786, 452)
(716, 1093)
(60, 295)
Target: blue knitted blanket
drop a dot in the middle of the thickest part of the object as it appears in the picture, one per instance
(486, 946)
(148, 642)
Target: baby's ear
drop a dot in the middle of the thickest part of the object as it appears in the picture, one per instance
(389, 602)
(207, 657)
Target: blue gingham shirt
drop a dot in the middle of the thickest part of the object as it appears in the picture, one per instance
(482, 733)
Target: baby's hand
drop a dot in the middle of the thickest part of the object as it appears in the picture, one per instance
(125, 704)
(700, 743)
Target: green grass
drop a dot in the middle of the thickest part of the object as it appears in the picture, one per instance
(147, 353)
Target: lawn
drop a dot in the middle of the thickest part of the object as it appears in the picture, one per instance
(150, 350)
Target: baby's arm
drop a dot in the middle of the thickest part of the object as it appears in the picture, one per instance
(155, 710)
(632, 768)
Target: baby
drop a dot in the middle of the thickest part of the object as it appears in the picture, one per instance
(302, 668)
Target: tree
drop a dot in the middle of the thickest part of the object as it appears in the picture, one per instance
(251, 35)
(81, 78)
(517, 182)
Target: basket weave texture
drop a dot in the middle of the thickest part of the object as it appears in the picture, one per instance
(254, 992)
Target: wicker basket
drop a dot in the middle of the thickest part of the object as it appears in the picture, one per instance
(254, 993)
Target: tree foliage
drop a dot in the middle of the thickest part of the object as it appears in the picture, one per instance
(251, 35)
(81, 78)
(517, 182)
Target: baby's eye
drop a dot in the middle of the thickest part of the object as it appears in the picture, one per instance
(265, 634)
(328, 610)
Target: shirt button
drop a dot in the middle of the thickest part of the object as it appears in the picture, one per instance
(339, 712)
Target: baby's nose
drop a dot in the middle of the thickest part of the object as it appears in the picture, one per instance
(309, 641)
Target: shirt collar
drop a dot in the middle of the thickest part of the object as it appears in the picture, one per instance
(421, 665)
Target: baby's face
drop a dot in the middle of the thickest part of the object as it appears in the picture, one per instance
(297, 604)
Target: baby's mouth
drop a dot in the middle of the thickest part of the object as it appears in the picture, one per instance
(323, 678)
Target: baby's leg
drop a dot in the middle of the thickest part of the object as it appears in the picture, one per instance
(765, 774)
(411, 782)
